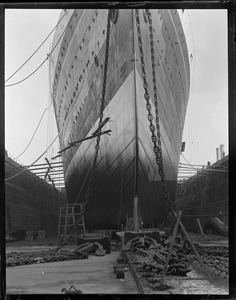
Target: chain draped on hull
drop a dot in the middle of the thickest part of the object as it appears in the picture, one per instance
(112, 74)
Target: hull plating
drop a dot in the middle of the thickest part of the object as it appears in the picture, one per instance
(126, 161)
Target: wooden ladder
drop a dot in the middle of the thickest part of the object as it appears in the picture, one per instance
(70, 221)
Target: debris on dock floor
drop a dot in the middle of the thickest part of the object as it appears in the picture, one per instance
(27, 258)
(144, 267)
(184, 271)
(19, 258)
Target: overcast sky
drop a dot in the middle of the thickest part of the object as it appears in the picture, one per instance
(206, 125)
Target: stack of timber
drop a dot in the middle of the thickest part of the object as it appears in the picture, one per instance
(205, 196)
(31, 203)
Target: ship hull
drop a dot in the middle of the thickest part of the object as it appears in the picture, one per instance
(126, 164)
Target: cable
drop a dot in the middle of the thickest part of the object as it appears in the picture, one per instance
(42, 62)
(188, 162)
(213, 215)
(6, 179)
(9, 178)
(34, 132)
(193, 165)
(35, 50)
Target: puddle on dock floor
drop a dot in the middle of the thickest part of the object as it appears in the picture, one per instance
(194, 283)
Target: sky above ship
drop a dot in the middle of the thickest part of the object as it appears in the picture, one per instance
(28, 100)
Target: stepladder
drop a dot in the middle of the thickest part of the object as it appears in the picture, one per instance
(71, 222)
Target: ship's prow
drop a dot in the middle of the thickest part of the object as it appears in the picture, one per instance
(126, 167)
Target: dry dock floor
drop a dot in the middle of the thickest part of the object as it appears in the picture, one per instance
(94, 275)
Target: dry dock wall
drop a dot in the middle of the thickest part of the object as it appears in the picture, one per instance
(205, 195)
(31, 203)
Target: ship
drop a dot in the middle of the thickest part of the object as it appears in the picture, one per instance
(97, 64)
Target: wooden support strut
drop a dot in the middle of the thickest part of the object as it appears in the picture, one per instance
(194, 249)
(50, 166)
(177, 224)
(171, 246)
(85, 139)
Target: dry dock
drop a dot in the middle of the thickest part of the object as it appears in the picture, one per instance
(95, 275)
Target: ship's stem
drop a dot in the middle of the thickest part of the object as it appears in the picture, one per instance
(136, 136)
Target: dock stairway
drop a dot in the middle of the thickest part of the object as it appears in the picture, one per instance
(71, 223)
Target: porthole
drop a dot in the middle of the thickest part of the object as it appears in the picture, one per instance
(96, 61)
(114, 15)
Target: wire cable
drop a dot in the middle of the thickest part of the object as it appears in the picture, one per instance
(34, 132)
(213, 215)
(48, 55)
(188, 162)
(35, 50)
(25, 169)
(9, 178)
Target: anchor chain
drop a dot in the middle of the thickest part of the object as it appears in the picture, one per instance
(156, 138)
(91, 180)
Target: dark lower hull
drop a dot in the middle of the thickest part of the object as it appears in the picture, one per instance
(126, 165)
(112, 201)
